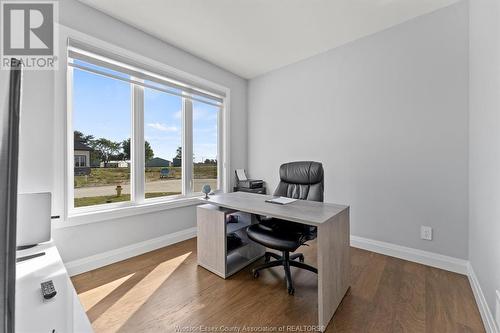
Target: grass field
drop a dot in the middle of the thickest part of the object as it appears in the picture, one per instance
(90, 201)
(120, 176)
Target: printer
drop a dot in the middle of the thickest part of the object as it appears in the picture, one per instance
(251, 183)
(244, 182)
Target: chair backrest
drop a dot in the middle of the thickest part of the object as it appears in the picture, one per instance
(301, 180)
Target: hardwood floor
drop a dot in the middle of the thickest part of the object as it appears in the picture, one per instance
(165, 291)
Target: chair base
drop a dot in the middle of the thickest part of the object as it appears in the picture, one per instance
(286, 260)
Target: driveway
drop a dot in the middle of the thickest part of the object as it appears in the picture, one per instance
(172, 185)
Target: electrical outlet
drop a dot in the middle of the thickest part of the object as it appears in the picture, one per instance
(426, 232)
(497, 312)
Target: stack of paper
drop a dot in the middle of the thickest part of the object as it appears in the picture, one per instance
(281, 200)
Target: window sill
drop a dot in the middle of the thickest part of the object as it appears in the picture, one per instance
(119, 212)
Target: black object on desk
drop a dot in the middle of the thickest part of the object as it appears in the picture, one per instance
(261, 190)
(250, 183)
(48, 289)
(244, 184)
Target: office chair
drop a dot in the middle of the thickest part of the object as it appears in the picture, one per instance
(298, 180)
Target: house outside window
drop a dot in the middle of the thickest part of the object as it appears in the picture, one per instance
(82, 158)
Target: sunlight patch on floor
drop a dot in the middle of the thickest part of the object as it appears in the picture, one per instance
(124, 308)
(94, 296)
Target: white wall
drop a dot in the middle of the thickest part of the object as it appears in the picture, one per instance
(387, 116)
(43, 133)
(484, 150)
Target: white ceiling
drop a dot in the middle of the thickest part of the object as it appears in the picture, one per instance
(253, 37)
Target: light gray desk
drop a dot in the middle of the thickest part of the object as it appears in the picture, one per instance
(332, 243)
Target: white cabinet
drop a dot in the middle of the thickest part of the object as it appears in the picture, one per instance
(63, 313)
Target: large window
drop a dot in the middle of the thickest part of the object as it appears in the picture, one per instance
(136, 135)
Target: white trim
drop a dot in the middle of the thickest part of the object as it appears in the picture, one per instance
(137, 186)
(226, 147)
(125, 211)
(484, 309)
(407, 253)
(497, 309)
(73, 216)
(69, 191)
(220, 148)
(187, 146)
(106, 258)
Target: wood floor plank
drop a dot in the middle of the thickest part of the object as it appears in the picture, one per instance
(166, 289)
(386, 298)
(409, 313)
(445, 309)
(367, 281)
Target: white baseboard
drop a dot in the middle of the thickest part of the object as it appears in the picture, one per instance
(486, 314)
(102, 259)
(407, 253)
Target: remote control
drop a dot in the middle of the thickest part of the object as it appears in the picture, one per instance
(48, 290)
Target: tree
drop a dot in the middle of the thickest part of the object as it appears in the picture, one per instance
(148, 151)
(179, 153)
(106, 149)
(126, 149)
(85, 139)
(209, 161)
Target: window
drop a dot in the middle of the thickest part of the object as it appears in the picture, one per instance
(80, 161)
(205, 145)
(163, 134)
(137, 136)
(101, 123)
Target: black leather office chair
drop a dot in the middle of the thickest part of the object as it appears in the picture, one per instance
(298, 180)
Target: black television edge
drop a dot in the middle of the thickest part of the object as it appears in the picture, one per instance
(9, 148)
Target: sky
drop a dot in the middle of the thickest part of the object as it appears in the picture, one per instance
(102, 108)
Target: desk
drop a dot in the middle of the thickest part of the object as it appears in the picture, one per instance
(331, 220)
(63, 313)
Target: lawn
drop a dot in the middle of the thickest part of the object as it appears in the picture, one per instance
(104, 176)
(90, 201)
(121, 176)
(202, 171)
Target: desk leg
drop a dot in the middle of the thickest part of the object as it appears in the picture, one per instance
(333, 265)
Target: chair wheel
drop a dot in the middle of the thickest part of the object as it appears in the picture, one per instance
(301, 258)
(256, 274)
(291, 291)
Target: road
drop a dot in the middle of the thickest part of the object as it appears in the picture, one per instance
(172, 185)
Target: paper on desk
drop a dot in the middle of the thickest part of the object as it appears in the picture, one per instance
(240, 173)
(281, 200)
